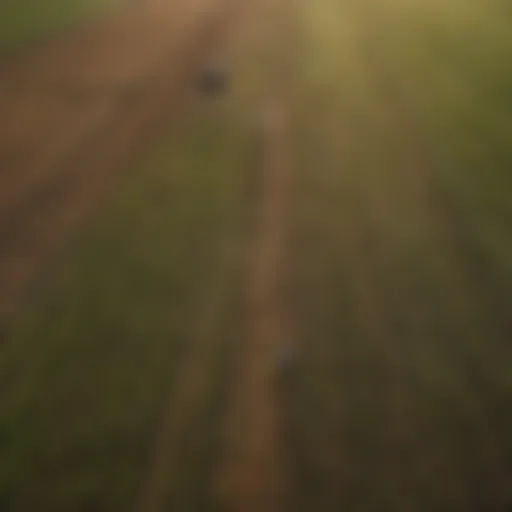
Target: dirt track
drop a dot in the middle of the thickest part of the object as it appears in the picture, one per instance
(75, 111)
(252, 476)
(253, 471)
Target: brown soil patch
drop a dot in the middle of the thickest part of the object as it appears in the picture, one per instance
(76, 111)
(252, 475)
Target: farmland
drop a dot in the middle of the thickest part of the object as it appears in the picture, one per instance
(344, 203)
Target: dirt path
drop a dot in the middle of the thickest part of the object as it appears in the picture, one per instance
(253, 475)
(77, 110)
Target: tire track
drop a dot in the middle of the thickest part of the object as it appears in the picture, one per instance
(252, 476)
(253, 472)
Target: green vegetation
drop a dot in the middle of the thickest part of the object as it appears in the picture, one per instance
(452, 64)
(400, 267)
(401, 256)
(22, 20)
(87, 371)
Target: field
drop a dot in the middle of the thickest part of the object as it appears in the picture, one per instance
(295, 296)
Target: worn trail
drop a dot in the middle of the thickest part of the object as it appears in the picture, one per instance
(253, 475)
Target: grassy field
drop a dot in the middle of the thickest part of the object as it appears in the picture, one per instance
(29, 19)
(450, 63)
(86, 373)
(401, 256)
(399, 272)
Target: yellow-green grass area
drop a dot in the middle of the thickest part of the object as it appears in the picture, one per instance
(450, 62)
(25, 20)
(403, 384)
(89, 368)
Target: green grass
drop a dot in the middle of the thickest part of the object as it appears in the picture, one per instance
(22, 20)
(451, 60)
(88, 367)
(400, 260)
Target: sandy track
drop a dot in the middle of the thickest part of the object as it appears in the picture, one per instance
(77, 111)
(253, 472)
(253, 476)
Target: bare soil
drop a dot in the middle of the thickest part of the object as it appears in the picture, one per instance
(253, 472)
(75, 111)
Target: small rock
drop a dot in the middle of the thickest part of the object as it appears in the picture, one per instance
(286, 358)
(213, 79)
